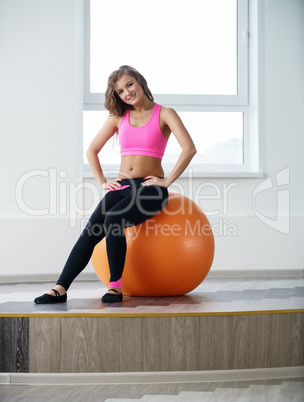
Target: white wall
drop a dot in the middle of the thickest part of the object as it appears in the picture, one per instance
(41, 123)
(40, 126)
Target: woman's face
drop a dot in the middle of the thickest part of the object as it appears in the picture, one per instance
(129, 90)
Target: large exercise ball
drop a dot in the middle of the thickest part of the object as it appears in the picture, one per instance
(170, 254)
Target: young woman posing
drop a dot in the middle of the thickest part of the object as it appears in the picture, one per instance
(140, 190)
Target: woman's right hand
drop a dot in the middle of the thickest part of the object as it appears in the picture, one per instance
(111, 185)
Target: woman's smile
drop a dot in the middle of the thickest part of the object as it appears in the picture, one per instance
(129, 90)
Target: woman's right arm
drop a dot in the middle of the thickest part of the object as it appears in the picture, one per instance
(105, 133)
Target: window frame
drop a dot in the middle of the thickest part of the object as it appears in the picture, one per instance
(196, 103)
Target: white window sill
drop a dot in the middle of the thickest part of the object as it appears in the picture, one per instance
(87, 174)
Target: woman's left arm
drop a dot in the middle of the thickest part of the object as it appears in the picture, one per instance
(173, 121)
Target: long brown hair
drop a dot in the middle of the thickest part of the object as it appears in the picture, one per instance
(112, 100)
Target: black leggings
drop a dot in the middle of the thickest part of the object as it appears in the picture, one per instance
(117, 210)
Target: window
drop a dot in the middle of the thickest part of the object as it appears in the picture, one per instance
(194, 55)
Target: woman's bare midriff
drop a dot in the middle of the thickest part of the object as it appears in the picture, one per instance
(139, 166)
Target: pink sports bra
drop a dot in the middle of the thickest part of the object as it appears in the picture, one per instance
(147, 140)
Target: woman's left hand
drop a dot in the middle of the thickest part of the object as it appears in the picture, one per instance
(154, 180)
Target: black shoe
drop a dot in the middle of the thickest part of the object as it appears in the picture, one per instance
(111, 297)
(49, 299)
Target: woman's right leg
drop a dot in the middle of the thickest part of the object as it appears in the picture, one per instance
(92, 234)
(81, 253)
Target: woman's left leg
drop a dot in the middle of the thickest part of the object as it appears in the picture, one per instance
(139, 205)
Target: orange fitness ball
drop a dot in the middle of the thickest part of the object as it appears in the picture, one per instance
(170, 254)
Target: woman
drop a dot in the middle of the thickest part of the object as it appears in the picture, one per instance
(140, 190)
